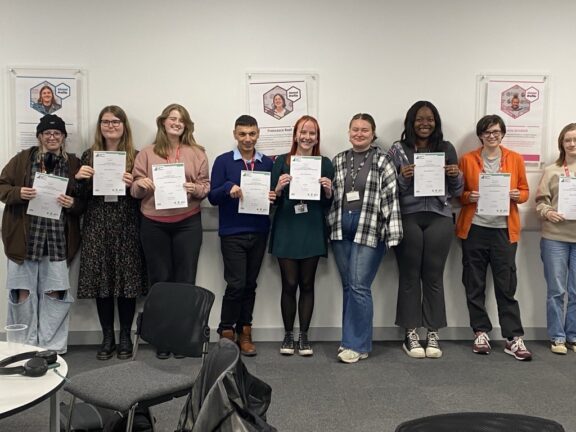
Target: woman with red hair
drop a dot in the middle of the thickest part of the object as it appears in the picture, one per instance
(299, 234)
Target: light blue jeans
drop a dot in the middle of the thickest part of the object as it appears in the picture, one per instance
(47, 317)
(559, 260)
(358, 265)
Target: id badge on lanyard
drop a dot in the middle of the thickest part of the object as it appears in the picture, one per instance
(301, 208)
(352, 196)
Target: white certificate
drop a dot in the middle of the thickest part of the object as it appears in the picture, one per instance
(48, 189)
(494, 192)
(306, 172)
(109, 168)
(567, 197)
(169, 191)
(255, 187)
(429, 174)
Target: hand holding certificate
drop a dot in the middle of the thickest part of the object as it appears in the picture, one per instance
(169, 192)
(306, 172)
(109, 168)
(429, 174)
(494, 194)
(48, 188)
(255, 188)
(567, 197)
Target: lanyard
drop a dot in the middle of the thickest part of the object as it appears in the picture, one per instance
(177, 159)
(566, 170)
(354, 174)
(251, 166)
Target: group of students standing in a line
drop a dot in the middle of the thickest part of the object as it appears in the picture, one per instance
(367, 206)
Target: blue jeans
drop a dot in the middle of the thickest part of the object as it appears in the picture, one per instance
(358, 265)
(47, 317)
(559, 260)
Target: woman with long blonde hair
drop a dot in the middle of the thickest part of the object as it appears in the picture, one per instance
(171, 238)
(558, 246)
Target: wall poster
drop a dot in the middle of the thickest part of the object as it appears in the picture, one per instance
(521, 102)
(40, 91)
(277, 101)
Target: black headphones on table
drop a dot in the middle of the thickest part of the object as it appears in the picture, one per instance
(37, 366)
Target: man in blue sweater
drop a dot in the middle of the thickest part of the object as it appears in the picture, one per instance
(242, 236)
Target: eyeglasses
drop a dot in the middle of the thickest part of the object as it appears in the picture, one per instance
(114, 123)
(54, 134)
(495, 134)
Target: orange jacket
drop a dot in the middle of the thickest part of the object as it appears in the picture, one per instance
(471, 164)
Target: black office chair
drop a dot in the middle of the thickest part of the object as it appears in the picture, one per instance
(225, 396)
(174, 318)
(480, 422)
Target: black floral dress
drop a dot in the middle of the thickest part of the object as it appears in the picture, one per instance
(111, 259)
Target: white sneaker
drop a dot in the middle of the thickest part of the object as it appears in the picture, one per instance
(558, 347)
(351, 356)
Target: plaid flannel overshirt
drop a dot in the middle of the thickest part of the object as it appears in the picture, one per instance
(47, 236)
(380, 218)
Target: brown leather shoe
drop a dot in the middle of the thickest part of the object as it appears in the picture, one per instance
(228, 334)
(247, 348)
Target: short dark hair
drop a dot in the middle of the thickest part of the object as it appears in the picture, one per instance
(245, 120)
(409, 134)
(365, 117)
(487, 122)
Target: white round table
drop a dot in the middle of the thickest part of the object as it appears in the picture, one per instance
(18, 393)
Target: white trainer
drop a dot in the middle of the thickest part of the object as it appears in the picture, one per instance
(351, 356)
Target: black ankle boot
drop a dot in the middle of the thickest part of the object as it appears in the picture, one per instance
(108, 346)
(125, 345)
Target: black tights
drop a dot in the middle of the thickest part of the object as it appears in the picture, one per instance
(297, 273)
(126, 310)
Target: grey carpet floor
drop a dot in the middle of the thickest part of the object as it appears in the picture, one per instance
(376, 394)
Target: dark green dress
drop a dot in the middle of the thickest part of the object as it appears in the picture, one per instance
(304, 235)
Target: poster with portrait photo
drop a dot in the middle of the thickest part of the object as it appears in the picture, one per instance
(37, 92)
(276, 105)
(521, 105)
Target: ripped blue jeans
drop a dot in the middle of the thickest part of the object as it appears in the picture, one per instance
(46, 315)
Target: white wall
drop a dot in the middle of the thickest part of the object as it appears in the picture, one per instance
(371, 56)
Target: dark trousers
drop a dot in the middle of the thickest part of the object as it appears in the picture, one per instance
(172, 249)
(243, 255)
(491, 246)
(421, 257)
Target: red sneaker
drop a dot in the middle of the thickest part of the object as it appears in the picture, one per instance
(481, 343)
(516, 348)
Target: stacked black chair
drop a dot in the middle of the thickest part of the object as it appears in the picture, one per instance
(480, 422)
(175, 319)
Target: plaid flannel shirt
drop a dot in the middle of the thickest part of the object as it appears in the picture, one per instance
(47, 237)
(380, 218)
